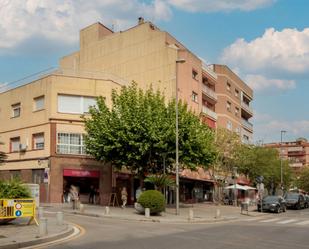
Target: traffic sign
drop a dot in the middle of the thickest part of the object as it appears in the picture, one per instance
(18, 213)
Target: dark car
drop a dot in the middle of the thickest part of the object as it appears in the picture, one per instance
(272, 203)
(295, 200)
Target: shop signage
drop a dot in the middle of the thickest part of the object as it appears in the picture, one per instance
(81, 173)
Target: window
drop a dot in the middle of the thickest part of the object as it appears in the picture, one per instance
(229, 125)
(16, 110)
(194, 97)
(38, 103)
(194, 74)
(37, 176)
(38, 141)
(228, 106)
(228, 86)
(15, 174)
(236, 111)
(70, 143)
(14, 144)
(75, 104)
(236, 93)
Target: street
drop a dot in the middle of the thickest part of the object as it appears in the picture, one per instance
(284, 231)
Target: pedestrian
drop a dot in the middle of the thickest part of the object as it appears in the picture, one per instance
(92, 194)
(138, 192)
(124, 196)
(74, 196)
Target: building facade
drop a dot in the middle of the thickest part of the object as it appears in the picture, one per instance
(41, 126)
(296, 152)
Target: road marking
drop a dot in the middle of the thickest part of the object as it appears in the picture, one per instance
(286, 221)
(270, 220)
(303, 223)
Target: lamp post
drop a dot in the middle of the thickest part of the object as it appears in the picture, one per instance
(179, 61)
(281, 170)
(235, 182)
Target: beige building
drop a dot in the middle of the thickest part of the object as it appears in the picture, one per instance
(40, 122)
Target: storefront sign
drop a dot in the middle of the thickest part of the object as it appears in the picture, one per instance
(81, 173)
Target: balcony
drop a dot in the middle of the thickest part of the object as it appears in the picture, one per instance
(209, 71)
(246, 107)
(209, 92)
(209, 112)
(247, 124)
(296, 165)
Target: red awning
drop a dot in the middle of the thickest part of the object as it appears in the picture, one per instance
(81, 173)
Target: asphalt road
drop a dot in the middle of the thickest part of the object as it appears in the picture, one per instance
(285, 231)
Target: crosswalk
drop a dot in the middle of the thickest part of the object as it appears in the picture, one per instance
(281, 221)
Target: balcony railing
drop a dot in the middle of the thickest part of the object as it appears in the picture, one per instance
(211, 93)
(247, 124)
(296, 165)
(209, 112)
(209, 70)
(245, 106)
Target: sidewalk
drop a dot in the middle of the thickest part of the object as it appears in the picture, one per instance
(18, 234)
(204, 212)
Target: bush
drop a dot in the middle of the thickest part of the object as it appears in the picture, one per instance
(13, 189)
(152, 199)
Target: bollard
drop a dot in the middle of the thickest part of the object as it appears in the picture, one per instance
(43, 227)
(218, 213)
(147, 212)
(81, 208)
(59, 216)
(106, 210)
(191, 214)
(40, 212)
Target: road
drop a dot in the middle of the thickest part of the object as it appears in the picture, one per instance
(285, 231)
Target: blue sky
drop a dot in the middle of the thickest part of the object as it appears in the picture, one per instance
(265, 41)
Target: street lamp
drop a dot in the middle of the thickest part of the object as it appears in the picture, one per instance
(235, 182)
(281, 170)
(179, 61)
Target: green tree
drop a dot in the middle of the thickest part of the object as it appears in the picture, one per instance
(303, 180)
(255, 161)
(160, 181)
(139, 129)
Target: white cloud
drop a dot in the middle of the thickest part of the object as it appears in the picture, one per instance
(270, 131)
(220, 5)
(59, 20)
(286, 50)
(259, 83)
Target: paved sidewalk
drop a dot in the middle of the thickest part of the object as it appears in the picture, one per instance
(204, 212)
(18, 234)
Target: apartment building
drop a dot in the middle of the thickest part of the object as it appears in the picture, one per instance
(40, 122)
(233, 107)
(296, 152)
(42, 131)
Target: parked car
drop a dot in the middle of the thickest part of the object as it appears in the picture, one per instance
(295, 200)
(306, 201)
(272, 203)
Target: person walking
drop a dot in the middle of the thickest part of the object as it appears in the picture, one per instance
(92, 195)
(74, 196)
(124, 197)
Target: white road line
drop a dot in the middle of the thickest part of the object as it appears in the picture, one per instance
(303, 223)
(270, 220)
(286, 221)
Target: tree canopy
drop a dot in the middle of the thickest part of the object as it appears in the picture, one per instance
(138, 132)
(303, 180)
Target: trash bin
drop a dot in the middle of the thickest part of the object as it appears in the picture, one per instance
(244, 207)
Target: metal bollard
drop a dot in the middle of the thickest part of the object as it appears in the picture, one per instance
(147, 212)
(218, 213)
(191, 214)
(43, 227)
(81, 208)
(59, 216)
(106, 210)
(40, 212)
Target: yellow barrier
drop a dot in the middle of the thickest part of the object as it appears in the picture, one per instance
(17, 208)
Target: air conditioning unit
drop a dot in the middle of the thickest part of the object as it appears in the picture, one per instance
(22, 147)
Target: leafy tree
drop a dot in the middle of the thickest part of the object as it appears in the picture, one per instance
(303, 180)
(3, 156)
(139, 129)
(255, 161)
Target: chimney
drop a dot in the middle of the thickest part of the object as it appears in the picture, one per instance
(140, 20)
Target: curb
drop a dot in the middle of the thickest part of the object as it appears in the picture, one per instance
(153, 219)
(16, 245)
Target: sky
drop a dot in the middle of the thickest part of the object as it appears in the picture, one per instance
(266, 42)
